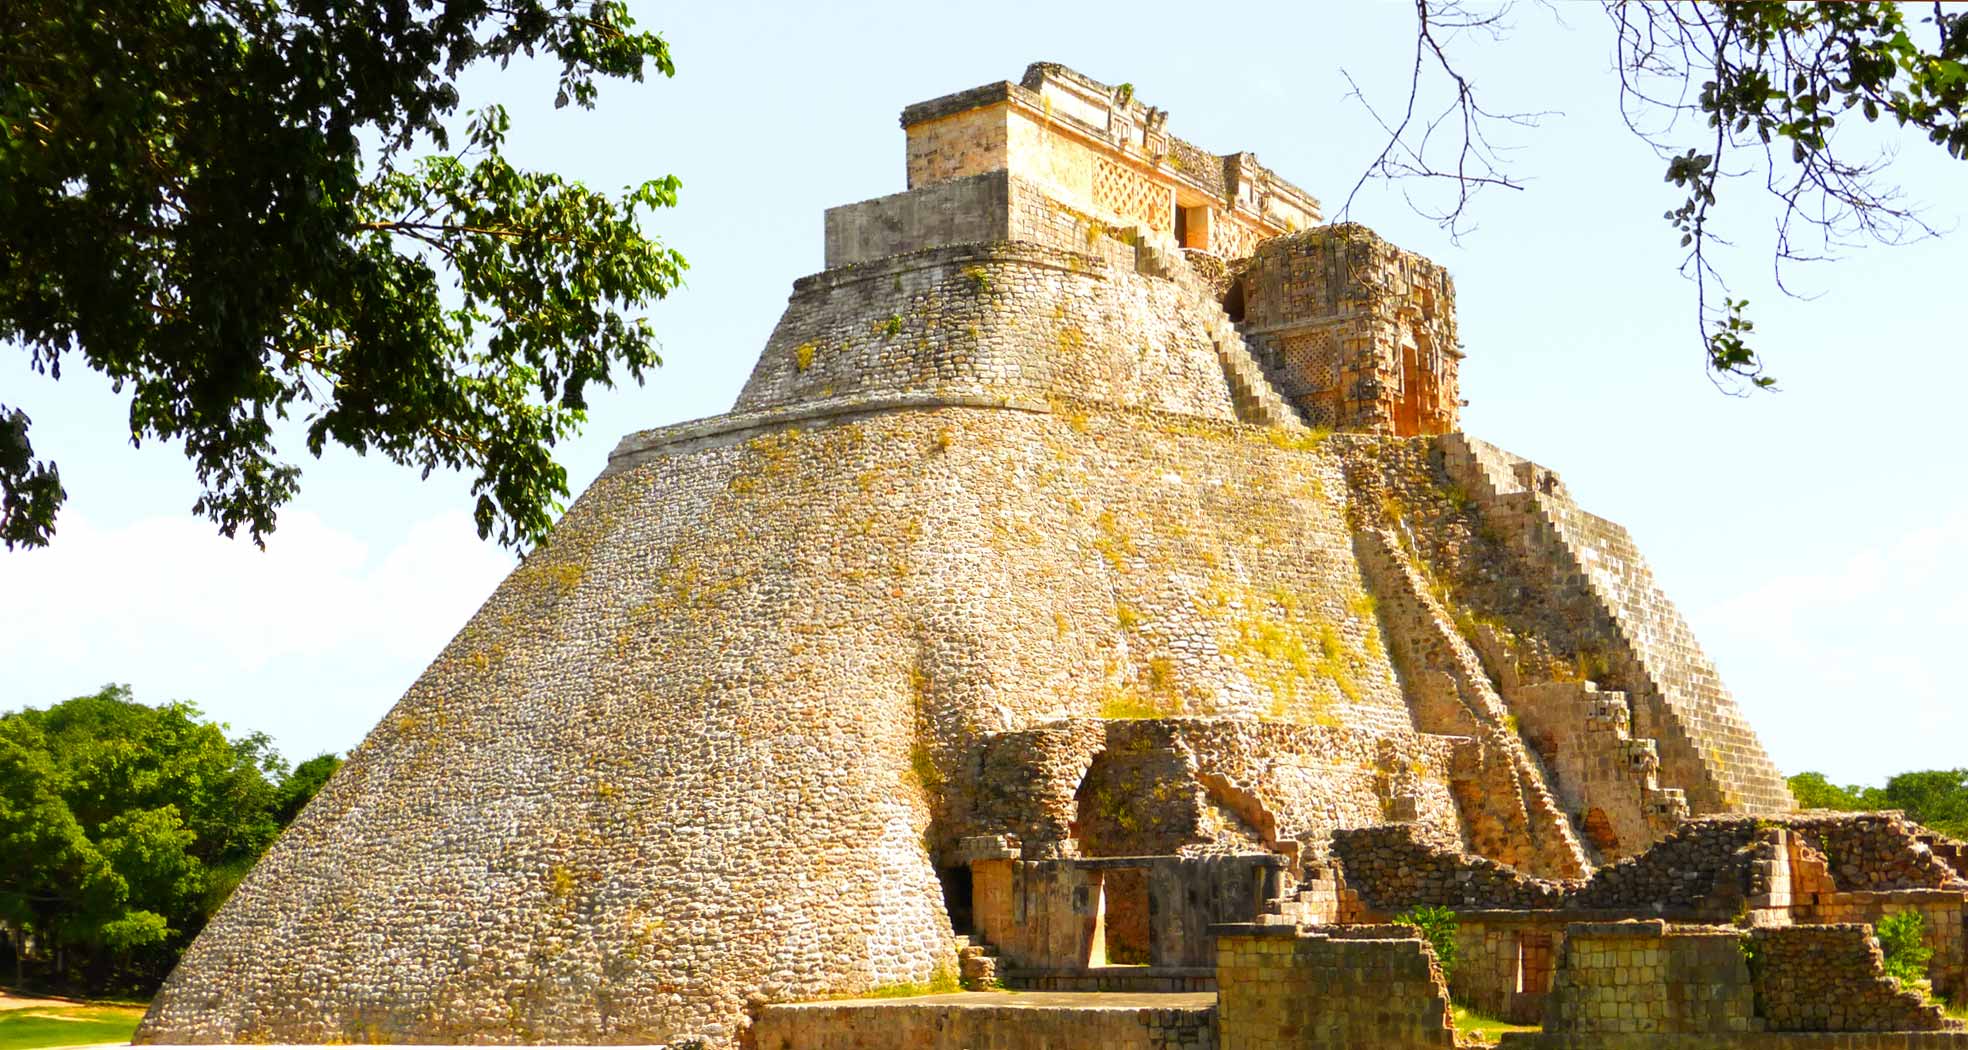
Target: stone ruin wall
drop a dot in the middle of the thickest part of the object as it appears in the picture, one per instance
(729, 693)
(1330, 990)
(1734, 871)
(810, 614)
(1262, 786)
(982, 515)
(1021, 1026)
(1832, 978)
(1644, 983)
(990, 208)
(1640, 978)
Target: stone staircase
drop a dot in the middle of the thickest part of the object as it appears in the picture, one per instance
(1254, 395)
(1256, 398)
(1677, 696)
(1316, 900)
(977, 964)
(1503, 787)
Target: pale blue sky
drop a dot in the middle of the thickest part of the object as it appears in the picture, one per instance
(1813, 537)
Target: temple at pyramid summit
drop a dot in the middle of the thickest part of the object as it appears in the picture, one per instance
(1089, 627)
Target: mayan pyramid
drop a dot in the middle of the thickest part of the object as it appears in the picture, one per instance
(1096, 501)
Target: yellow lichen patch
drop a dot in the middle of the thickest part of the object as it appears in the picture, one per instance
(1070, 340)
(767, 457)
(1075, 416)
(1285, 648)
(1119, 702)
(1127, 616)
(921, 773)
(1296, 440)
(803, 356)
(1113, 542)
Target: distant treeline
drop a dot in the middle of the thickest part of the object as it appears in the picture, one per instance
(123, 827)
(1937, 798)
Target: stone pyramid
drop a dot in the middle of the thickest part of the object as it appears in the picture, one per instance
(1096, 501)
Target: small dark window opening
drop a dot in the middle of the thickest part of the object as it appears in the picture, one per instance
(1182, 226)
(956, 897)
(1233, 301)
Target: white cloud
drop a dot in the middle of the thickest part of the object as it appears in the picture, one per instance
(310, 639)
(1839, 669)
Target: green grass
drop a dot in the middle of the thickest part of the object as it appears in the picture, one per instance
(35, 1027)
(1958, 1011)
(1470, 1023)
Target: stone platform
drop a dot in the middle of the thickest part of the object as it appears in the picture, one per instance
(1736, 1041)
(1000, 1020)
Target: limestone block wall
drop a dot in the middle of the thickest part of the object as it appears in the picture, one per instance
(1283, 987)
(1640, 978)
(937, 1024)
(1016, 323)
(1874, 851)
(958, 136)
(1505, 961)
(1831, 978)
(1944, 925)
(995, 206)
(1704, 866)
(1391, 869)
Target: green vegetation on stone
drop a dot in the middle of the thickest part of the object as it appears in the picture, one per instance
(1902, 941)
(1483, 1028)
(1438, 927)
(1934, 798)
(941, 982)
(123, 828)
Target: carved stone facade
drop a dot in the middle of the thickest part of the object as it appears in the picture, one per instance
(1359, 334)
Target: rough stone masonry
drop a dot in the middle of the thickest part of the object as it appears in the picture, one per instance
(1096, 502)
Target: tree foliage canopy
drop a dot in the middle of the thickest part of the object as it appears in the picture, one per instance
(1937, 798)
(123, 827)
(215, 203)
(1758, 89)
